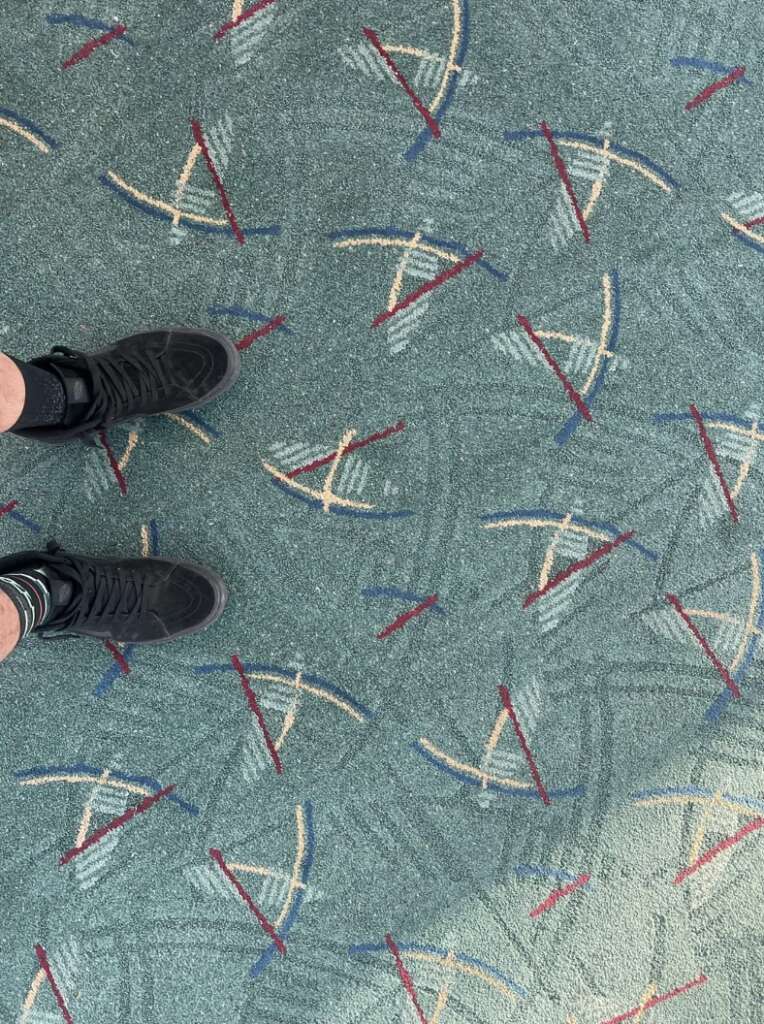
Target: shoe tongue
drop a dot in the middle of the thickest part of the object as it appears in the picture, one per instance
(61, 591)
(77, 390)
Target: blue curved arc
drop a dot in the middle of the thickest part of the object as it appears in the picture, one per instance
(425, 135)
(400, 595)
(112, 673)
(390, 231)
(496, 787)
(255, 666)
(713, 713)
(30, 126)
(89, 769)
(592, 524)
(245, 314)
(444, 954)
(645, 794)
(706, 65)
(340, 510)
(575, 420)
(208, 229)
(539, 871)
(596, 140)
(722, 417)
(262, 962)
(750, 242)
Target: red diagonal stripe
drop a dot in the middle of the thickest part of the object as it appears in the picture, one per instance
(263, 921)
(432, 124)
(559, 894)
(118, 656)
(261, 332)
(93, 44)
(380, 435)
(507, 702)
(244, 16)
(714, 851)
(570, 391)
(704, 644)
(405, 977)
(5, 509)
(42, 959)
(412, 613)
(657, 1000)
(118, 474)
(709, 90)
(562, 170)
(96, 837)
(254, 707)
(428, 286)
(574, 567)
(201, 142)
(714, 460)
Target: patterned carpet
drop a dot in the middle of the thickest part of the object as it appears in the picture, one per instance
(479, 738)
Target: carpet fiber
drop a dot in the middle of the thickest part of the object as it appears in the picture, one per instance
(480, 736)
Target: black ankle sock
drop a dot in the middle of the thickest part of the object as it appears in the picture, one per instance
(45, 401)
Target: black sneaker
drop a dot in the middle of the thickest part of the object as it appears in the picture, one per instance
(143, 375)
(130, 600)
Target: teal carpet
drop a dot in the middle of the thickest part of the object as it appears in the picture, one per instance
(480, 735)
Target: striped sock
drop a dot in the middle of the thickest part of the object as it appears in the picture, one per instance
(30, 593)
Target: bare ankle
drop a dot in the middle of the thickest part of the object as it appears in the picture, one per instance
(12, 393)
(10, 626)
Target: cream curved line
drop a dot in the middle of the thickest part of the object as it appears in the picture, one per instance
(395, 243)
(739, 226)
(570, 339)
(742, 476)
(681, 798)
(159, 204)
(17, 129)
(262, 872)
(700, 831)
(468, 769)
(459, 967)
(299, 859)
(310, 491)
(130, 787)
(31, 996)
(314, 691)
(192, 427)
(546, 568)
(395, 291)
(132, 441)
(411, 51)
(733, 428)
(587, 531)
(87, 814)
(598, 185)
(451, 67)
(616, 158)
(326, 491)
(753, 610)
(706, 613)
(185, 174)
(607, 323)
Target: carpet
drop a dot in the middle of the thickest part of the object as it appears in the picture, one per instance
(480, 735)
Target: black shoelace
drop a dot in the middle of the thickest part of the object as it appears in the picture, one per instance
(118, 380)
(99, 596)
